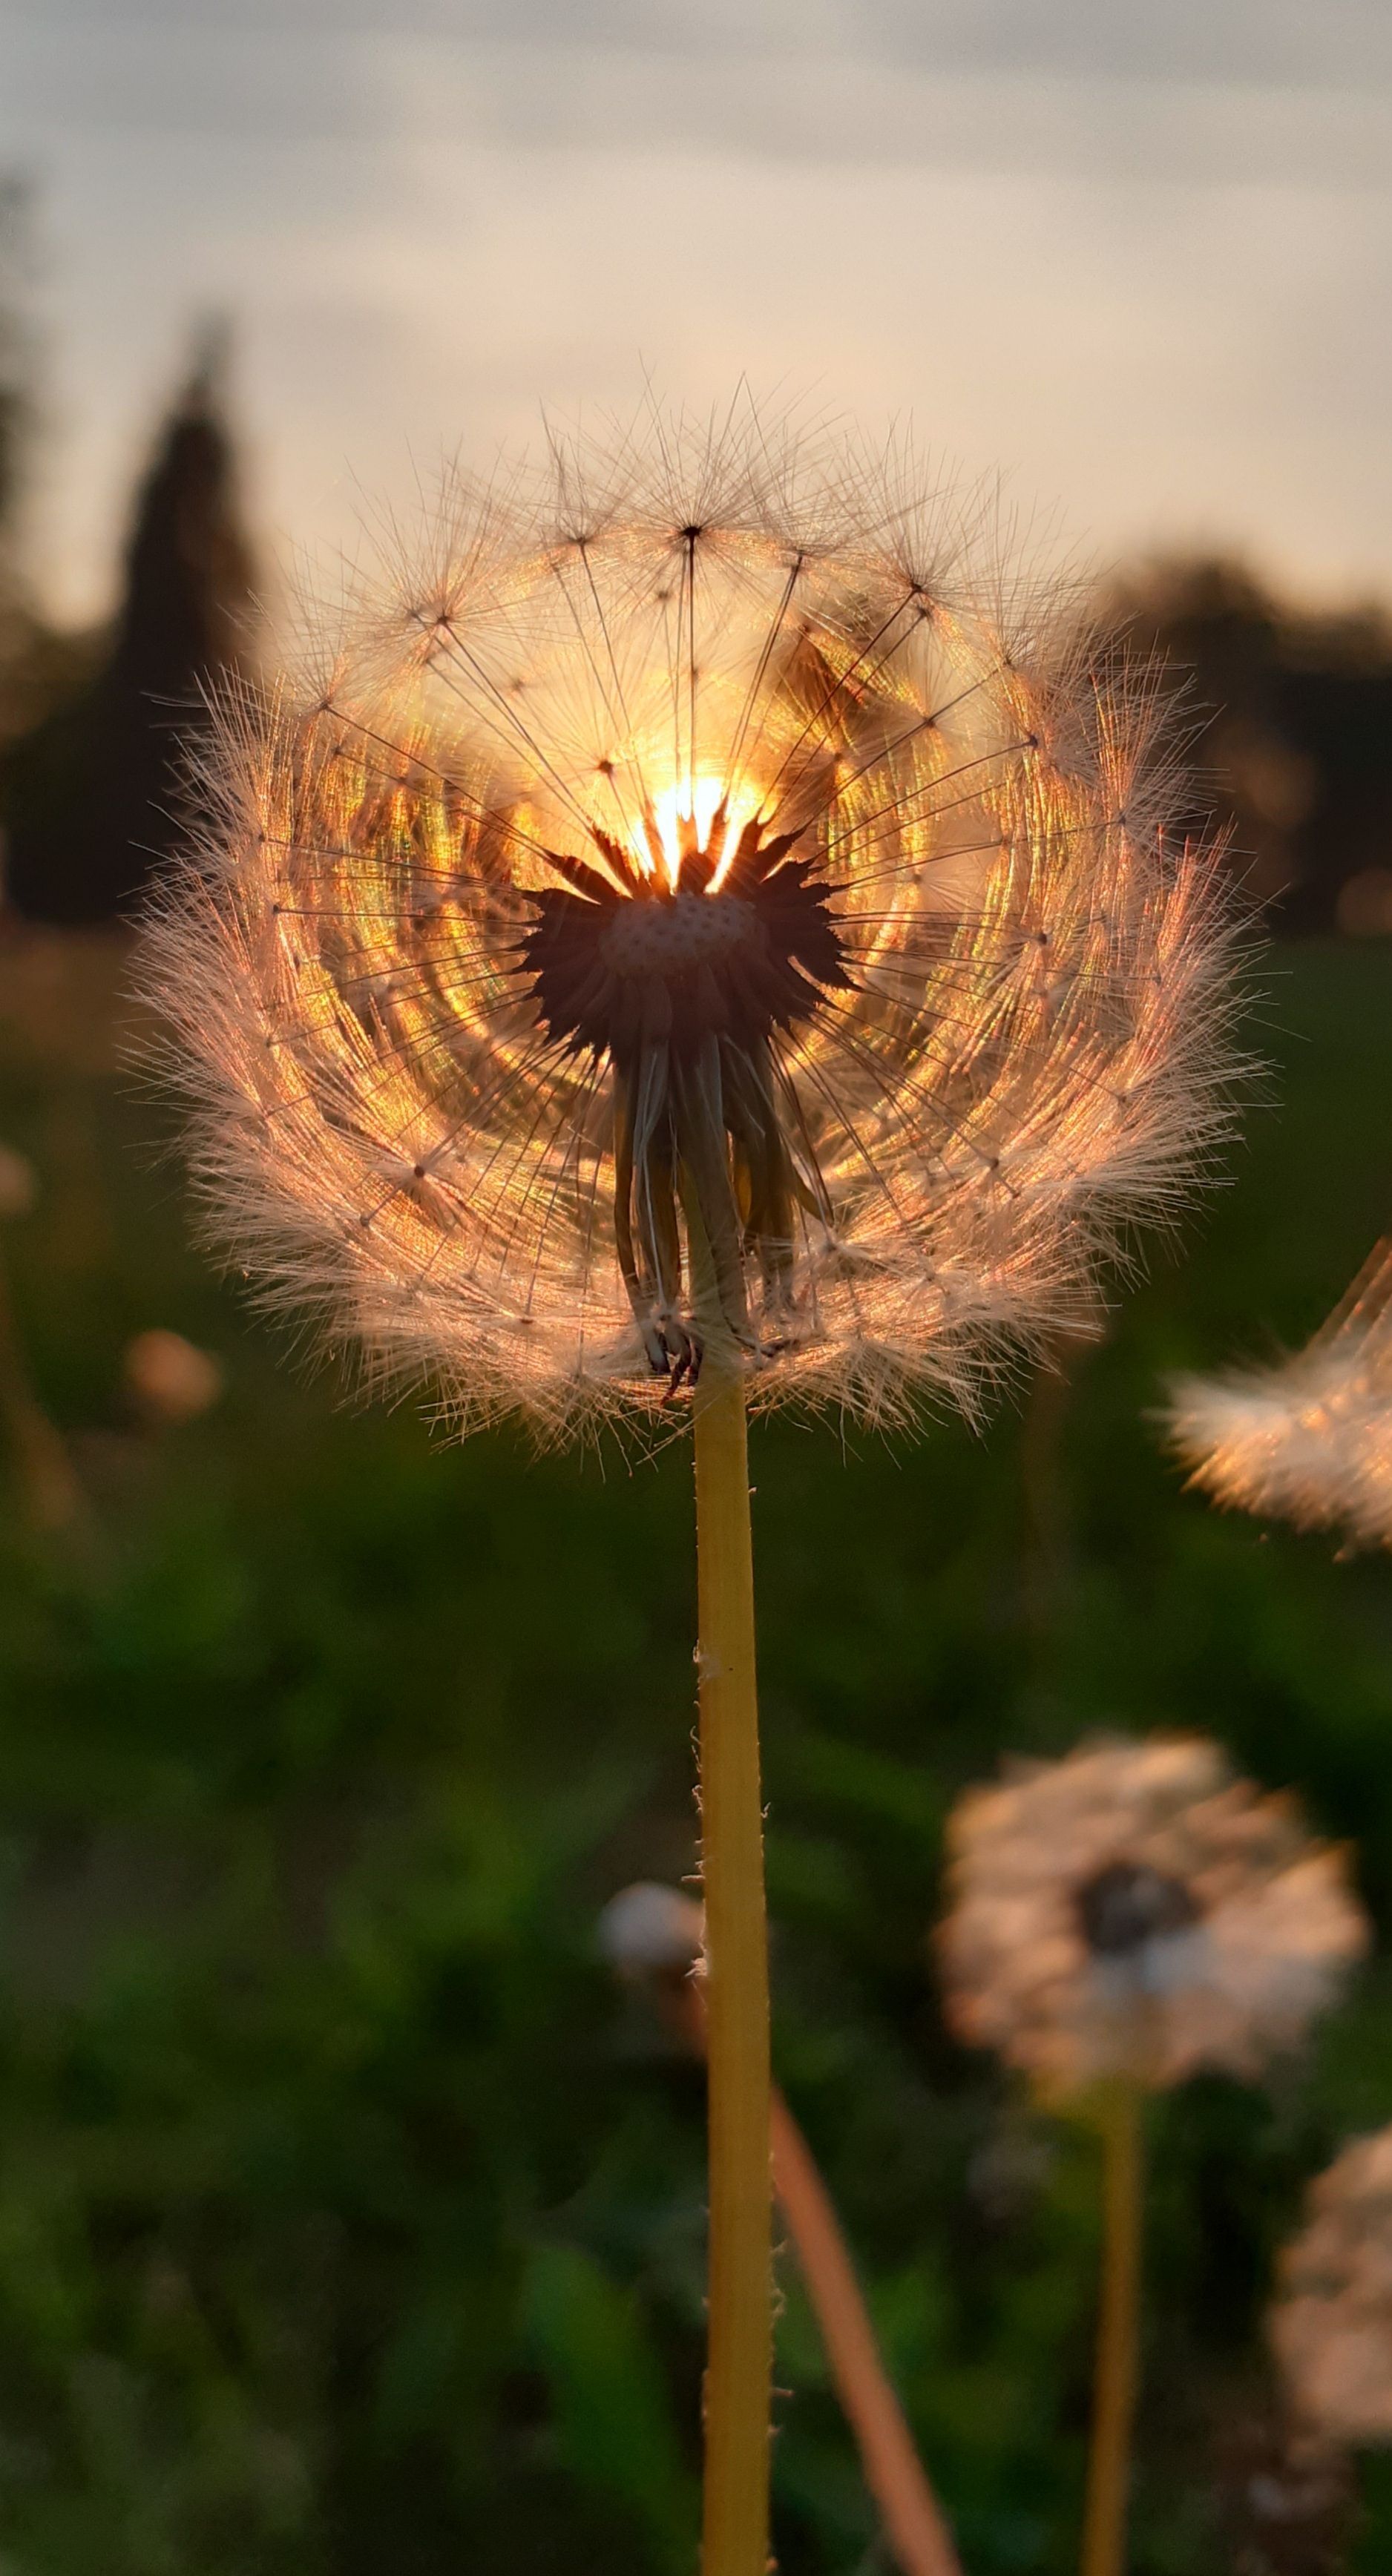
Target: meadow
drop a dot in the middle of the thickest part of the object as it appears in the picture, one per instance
(349, 2219)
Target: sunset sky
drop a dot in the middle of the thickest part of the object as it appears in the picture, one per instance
(1139, 258)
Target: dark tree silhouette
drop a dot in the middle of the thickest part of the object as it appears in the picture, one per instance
(14, 352)
(1291, 718)
(94, 797)
(16, 408)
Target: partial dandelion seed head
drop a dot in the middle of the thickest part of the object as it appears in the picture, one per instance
(703, 907)
(168, 1378)
(1331, 2321)
(1308, 1439)
(650, 1930)
(1137, 1910)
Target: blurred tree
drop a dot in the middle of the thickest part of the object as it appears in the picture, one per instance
(40, 664)
(14, 350)
(1289, 718)
(93, 795)
(16, 408)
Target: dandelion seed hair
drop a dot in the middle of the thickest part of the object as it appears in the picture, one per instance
(700, 906)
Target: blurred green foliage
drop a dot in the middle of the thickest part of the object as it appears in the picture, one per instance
(349, 2221)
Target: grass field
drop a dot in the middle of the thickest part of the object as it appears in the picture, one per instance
(348, 2222)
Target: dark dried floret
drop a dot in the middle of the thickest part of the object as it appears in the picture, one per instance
(1127, 1905)
(680, 979)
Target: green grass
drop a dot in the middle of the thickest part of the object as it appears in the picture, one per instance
(348, 2221)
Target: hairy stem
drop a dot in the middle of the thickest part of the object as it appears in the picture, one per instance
(739, 2362)
(1118, 2333)
(914, 2525)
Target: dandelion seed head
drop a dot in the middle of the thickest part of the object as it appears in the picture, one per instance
(1308, 1439)
(650, 1930)
(699, 903)
(169, 1378)
(1331, 2321)
(1135, 1909)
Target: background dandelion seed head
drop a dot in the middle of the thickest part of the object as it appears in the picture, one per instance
(699, 899)
(1331, 2322)
(1138, 1910)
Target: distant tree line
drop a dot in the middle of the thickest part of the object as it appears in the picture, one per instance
(1289, 715)
(1289, 721)
(95, 729)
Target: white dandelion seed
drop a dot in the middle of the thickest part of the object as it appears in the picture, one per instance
(1138, 1911)
(1308, 1439)
(696, 911)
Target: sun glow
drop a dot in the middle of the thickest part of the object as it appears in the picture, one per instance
(700, 801)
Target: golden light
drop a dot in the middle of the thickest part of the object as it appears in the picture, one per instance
(700, 800)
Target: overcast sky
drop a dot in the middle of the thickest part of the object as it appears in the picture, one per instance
(1136, 255)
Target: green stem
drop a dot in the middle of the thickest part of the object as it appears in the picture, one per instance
(739, 2363)
(1118, 2333)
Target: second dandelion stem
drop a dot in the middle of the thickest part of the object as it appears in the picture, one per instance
(739, 2365)
(1118, 2332)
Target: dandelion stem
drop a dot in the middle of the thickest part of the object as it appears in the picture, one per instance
(1118, 2332)
(896, 2477)
(894, 2473)
(914, 2526)
(739, 2362)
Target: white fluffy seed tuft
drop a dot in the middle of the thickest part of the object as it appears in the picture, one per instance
(1308, 1439)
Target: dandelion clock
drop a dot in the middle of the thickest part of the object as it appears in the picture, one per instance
(1117, 1921)
(696, 938)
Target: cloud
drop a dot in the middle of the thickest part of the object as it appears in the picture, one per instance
(1242, 90)
(1132, 252)
(1249, 44)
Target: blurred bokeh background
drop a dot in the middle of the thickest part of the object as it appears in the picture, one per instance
(348, 2218)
